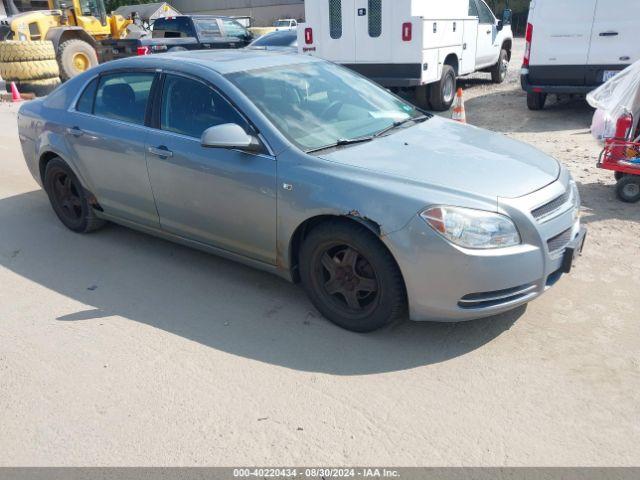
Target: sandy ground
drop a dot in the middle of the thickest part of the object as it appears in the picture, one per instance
(120, 349)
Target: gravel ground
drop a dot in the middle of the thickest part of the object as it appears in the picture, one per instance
(121, 349)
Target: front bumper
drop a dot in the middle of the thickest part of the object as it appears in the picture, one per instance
(450, 284)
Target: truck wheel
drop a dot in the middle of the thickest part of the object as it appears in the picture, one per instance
(422, 97)
(443, 92)
(39, 88)
(499, 70)
(14, 51)
(628, 188)
(536, 100)
(32, 70)
(75, 56)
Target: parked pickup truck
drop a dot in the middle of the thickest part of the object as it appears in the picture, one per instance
(178, 33)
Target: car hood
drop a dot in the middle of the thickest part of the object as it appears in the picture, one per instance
(442, 153)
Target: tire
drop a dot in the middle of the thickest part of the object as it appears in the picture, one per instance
(40, 88)
(74, 57)
(14, 51)
(499, 70)
(69, 198)
(628, 188)
(356, 259)
(422, 97)
(618, 175)
(33, 70)
(443, 93)
(536, 101)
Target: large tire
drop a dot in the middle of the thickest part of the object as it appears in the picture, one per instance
(500, 69)
(351, 278)
(33, 70)
(39, 88)
(69, 198)
(13, 51)
(75, 56)
(536, 101)
(443, 93)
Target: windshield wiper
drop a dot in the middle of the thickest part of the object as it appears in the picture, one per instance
(399, 123)
(342, 142)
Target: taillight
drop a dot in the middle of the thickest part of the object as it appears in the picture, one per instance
(407, 32)
(143, 51)
(527, 48)
(308, 36)
(623, 126)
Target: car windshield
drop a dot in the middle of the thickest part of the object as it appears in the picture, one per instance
(319, 104)
(277, 39)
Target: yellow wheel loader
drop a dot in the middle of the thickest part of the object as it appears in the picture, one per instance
(74, 28)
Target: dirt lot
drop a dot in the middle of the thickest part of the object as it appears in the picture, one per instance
(120, 349)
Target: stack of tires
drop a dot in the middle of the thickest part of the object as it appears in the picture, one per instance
(31, 65)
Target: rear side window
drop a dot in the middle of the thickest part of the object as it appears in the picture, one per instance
(85, 102)
(335, 19)
(124, 97)
(375, 18)
(486, 16)
(233, 29)
(177, 27)
(473, 8)
(189, 107)
(208, 28)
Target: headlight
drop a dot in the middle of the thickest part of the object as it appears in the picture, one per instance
(575, 200)
(472, 228)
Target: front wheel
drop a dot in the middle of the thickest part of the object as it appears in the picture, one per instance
(351, 278)
(628, 188)
(499, 70)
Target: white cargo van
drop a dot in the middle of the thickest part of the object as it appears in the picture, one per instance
(418, 44)
(573, 46)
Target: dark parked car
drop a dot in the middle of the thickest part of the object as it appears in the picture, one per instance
(284, 41)
(172, 34)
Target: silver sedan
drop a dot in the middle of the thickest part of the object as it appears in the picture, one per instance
(307, 170)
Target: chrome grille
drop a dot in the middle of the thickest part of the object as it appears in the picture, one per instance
(548, 208)
(559, 241)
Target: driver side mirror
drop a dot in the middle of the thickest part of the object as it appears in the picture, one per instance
(500, 25)
(230, 136)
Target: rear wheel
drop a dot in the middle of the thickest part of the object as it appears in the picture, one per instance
(628, 188)
(351, 278)
(443, 92)
(499, 70)
(422, 97)
(536, 100)
(68, 198)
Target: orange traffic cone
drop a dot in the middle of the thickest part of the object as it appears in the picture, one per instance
(15, 94)
(459, 114)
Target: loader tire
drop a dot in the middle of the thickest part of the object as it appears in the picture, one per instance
(14, 51)
(32, 70)
(75, 56)
(40, 88)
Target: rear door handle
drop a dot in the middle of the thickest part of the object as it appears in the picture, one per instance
(162, 152)
(609, 34)
(75, 131)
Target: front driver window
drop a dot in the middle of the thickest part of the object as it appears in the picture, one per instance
(189, 107)
(486, 16)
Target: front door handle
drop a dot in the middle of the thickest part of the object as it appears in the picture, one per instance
(75, 131)
(161, 151)
(488, 32)
(609, 34)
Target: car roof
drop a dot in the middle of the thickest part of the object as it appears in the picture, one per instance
(231, 61)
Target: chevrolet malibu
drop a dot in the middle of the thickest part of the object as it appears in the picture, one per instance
(307, 170)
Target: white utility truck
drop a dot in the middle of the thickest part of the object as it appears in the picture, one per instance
(573, 46)
(410, 44)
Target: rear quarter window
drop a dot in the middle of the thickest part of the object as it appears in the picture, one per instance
(85, 102)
